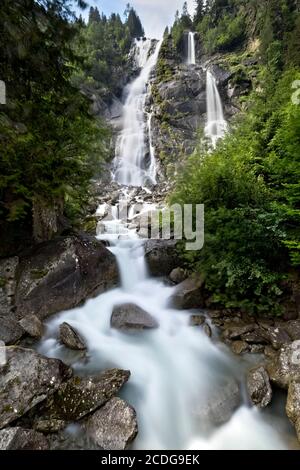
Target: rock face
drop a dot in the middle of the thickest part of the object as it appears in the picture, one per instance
(80, 396)
(284, 367)
(10, 330)
(221, 403)
(71, 338)
(114, 426)
(293, 405)
(161, 256)
(131, 317)
(22, 439)
(65, 272)
(8, 268)
(259, 387)
(189, 294)
(26, 380)
(33, 326)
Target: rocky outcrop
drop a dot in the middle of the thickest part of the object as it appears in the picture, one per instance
(161, 256)
(59, 275)
(130, 317)
(79, 397)
(259, 387)
(114, 426)
(33, 326)
(8, 268)
(71, 338)
(293, 405)
(189, 294)
(10, 330)
(22, 439)
(284, 367)
(26, 380)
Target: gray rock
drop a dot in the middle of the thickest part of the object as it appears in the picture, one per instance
(207, 330)
(178, 275)
(80, 396)
(277, 337)
(22, 439)
(233, 331)
(293, 405)
(10, 330)
(197, 320)
(293, 329)
(221, 403)
(71, 338)
(189, 294)
(26, 380)
(8, 269)
(33, 326)
(284, 367)
(239, 347)
(114, 426)
(49, 426)
(259, 387)
(132, 317)
(161, 256)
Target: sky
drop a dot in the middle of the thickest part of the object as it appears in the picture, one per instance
(155, 14)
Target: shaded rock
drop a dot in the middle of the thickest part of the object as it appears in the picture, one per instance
(285, 365)
(81, 396)
(26, 380)
(207, 330)
(178, 275)
(257, 349)
(10, 330)
(161, 256)
(33, 326)
(277, 337)
(293, 329)
(256, 337)
(221, 403)
(132, 317)
(240, 347)
(197, 320)
(293, 405)
(71, 338)
(64, 271)
(8, 268)
(236, 331)
(114, 426)
(22, 439)
(49, 426)
(189, 294)
(259, 387)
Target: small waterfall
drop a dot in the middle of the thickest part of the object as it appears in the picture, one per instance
(191, 49)
(216, 126)
(131, 169)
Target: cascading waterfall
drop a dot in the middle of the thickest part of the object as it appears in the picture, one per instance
(216, 126)
(191, 60)
(131, 167)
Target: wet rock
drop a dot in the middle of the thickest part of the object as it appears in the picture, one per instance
(257, 349)
(221, 403)
(161, 256)
(80, 396)
(64, 271)
(256, 337)
(32, 325)
(293, 405)
(132, 317)
(207, 330)
(259, 387)
(178, 275)
(71, 338)
(240, 347)
(49, 426)
(277, 337)
(189, 294)
(10, 330)
(197, 320)
(114, 426)
(27, 379)
(236, 331)
(293, 329)
(284, 367)
(22, 439)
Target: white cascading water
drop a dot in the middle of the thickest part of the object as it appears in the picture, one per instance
(191, 60)
(216, 125)
(131, 169)
(175, 369)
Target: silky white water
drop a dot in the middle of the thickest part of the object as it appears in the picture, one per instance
(131, 167)
(216, 125)
(174, 369)
(191, 60)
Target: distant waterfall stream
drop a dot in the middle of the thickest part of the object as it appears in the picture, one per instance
(191, 60)
(216, 125)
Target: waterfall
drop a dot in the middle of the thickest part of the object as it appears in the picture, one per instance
(131, 166)
(191, 49)
(216, 125)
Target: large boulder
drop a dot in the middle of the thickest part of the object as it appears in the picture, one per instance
(277, 336)
(79, 397)
(259, 387)
(189, 294)
(10, 330)
(161, 256)
(60, 274)
(27, 379)
(33, 326)
(114, 426)
(293, 405)
(178, 275)
(22, 439)
(70, 337)
(284, 367)
(131, 317)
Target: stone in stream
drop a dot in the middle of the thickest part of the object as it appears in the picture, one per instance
(114, 426)
(178, 275)
(197, 320)
(26, 380)
(70, 337)
(293, 405)
(189, 294)
(33, 326)
(259, 387)
(130, 317)
(80, 396)
(10, 330)
(22, 439)
(284, 366)
(239, 347)
(207, 330)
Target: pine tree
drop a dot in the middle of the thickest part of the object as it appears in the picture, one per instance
(134, 24)
(199, 14)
